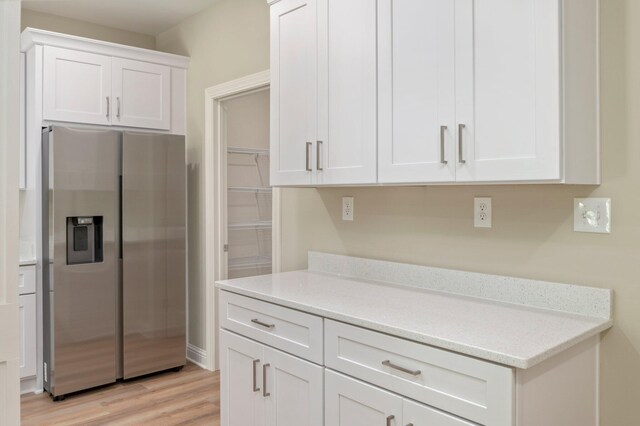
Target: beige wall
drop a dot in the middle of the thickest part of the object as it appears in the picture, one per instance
(59, 24)
(532, 234)
(227, 41)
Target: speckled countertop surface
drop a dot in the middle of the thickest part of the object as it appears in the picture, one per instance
(506, 333)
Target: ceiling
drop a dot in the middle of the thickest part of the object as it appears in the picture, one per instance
(142, 16)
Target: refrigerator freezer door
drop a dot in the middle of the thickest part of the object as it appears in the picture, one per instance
(80, 168)
(154, 253)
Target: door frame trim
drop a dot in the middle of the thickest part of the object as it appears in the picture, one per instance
(215, 215)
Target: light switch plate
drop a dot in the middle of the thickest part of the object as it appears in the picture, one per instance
(592, 215)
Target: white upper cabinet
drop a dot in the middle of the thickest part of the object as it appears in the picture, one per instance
(142, 94)
(508, 90)
(77, 86)
(77, 80)
(347, 89)
(495, 91)
(294, 83)
(417, 91)
(323, 92)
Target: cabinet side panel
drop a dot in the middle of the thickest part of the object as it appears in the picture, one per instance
(581, 92)
(562, 390)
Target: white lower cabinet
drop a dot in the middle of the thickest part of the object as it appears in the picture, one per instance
(27, 335)
(261, 386)
(350, 402)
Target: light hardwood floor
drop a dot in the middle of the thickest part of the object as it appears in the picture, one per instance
(189, 397)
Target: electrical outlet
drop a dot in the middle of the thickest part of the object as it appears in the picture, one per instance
(347, 208)
(482, 212)
(592, 215)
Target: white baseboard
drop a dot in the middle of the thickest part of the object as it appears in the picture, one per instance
(29, 385)
(197, 356)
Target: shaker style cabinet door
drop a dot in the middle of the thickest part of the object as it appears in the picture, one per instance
(508, 90)
(346, 149)
(141, 94)
(421, 415)
(349, 402)
(293, 92)
(28, 335)
(76, 87)
(295, 390)
(241, 399)
(416, 49)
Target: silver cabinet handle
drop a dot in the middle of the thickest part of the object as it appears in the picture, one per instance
(108, 107)
(443, 129)
(389, 418)
(118, 111)
(389, 364)
(308, 160)
(318, 152)
(255, 385)
(409, 424)
(264, 381)
(461, 159)
(264, 324)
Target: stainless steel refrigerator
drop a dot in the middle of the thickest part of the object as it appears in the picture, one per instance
(114, 240)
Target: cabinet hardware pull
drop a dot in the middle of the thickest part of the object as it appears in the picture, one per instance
(389, 364)
(264, 324)
(461, 159)
(108, 107)
(264, 381)
(409, 424)
(389, 418)
(308, 159)
(318, 152)
(118, 112)
(443, 129)
(255, 387)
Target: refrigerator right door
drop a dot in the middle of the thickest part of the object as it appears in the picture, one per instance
(153, 253)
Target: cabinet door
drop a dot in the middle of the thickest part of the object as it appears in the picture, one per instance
(417, 91)
(76, 87)
(508, 90)
(421, 415)
(293, 91)
(349, 402)
(295, 390)
(23, 125)
(28, 335)
(141, 94)
(347, 92)
(241, 399)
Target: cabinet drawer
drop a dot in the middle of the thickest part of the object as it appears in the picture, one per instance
(476, 390)
(27, 279)
(291, 331)
(27, 335)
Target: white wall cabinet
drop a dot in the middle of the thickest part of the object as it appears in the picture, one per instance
(77, 80)
(23, 129)
(261, 386)
(467, 92)
(77, 86)
(323, 92)
(142, 94)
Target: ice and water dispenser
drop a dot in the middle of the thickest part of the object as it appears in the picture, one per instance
(84, 240)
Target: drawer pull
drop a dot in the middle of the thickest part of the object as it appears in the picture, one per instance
(389, 418)
(263, 324)
(409, 424)
(264, 380)
(389, 364)
(255, 387)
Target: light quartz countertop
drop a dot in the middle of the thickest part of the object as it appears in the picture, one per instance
(511, 334)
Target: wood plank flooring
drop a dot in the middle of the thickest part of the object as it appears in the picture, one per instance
(189, 397)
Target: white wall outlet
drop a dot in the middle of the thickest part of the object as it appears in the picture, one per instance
(347, 208)
(482, 212)
(592, 215)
